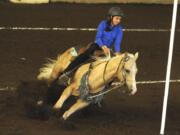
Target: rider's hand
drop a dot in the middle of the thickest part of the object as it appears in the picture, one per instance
(106, 50)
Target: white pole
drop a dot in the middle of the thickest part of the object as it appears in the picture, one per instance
(168, 73)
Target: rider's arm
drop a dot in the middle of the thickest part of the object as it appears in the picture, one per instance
(99, 33)
(118, 39)
(105, 50)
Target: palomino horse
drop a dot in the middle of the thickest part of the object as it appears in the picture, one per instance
(97, 75)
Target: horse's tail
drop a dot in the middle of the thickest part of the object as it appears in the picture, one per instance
(46, 71)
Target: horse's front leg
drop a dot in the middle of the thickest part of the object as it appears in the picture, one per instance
(66, 93)
(77, 106)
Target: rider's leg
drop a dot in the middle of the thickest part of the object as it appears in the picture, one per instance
(82, 57)
(63, 79)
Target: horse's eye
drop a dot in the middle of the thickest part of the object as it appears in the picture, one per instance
(127, 71)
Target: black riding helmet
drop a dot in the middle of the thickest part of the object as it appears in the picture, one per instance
(115, 11)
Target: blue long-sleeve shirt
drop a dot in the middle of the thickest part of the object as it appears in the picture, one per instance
(108, 38)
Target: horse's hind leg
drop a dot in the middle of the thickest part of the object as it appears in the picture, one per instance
(66, 93)
(77, 106)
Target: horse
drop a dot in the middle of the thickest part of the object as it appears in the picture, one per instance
(97, 75)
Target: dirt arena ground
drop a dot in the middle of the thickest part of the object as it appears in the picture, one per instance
(22, 53)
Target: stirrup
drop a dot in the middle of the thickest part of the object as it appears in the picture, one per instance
(63, 79)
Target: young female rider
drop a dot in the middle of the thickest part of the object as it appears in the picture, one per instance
(109, 32)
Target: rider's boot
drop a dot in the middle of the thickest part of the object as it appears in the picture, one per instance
(64, 78)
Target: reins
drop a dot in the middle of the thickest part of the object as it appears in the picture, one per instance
(104, 92)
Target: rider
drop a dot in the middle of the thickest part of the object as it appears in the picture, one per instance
(109, 32)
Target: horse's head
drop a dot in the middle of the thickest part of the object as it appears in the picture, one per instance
(128, 70)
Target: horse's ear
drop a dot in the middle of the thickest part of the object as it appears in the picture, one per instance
(136, 55)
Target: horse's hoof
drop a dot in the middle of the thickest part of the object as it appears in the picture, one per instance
(65, 116)
(56, 107)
